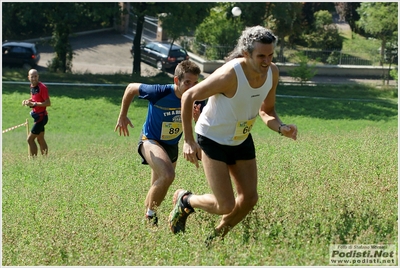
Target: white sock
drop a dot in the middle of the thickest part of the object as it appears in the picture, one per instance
(150, 213)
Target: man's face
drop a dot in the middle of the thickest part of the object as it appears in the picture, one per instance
(261, 57)
(33, 78)
(188, 81)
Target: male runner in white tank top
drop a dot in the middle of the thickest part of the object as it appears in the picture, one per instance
(237, 92)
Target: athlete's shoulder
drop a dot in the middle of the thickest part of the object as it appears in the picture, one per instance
(42, 85)
(274, 68)
(160, 88)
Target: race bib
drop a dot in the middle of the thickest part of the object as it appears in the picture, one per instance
(243, 129)
(171, 130)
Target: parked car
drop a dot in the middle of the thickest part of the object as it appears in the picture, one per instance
(20, 54)
(162, 55)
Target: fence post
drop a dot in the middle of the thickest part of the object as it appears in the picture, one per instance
(27, 134)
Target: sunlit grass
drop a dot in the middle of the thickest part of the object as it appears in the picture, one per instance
(84, 203)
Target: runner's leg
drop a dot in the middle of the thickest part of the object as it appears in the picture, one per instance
(32, 144)
(244, 176)
(162, 173)
(222, 201)
(42, 143)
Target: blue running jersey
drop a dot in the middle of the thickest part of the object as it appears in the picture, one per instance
(163, 121)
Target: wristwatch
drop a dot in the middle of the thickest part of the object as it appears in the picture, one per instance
(279, 129)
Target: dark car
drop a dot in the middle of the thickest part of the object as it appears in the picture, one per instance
(20, 54)
(162, 55)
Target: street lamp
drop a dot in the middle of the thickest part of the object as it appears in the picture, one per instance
(236, 11)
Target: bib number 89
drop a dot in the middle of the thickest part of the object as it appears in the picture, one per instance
(174, 130)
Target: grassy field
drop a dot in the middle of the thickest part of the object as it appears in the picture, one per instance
(84, 203)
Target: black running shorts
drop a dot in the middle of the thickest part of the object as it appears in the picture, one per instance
(226, 153)
(172, 150)
(39, 124)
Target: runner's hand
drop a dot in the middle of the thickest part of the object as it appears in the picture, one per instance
(122, 125)
(289, 131)
(192, 152)
(196, 112)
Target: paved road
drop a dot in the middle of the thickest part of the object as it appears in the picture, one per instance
(108, 53)
(99, 53)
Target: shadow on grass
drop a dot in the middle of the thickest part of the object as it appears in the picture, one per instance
(337, 109)
(352, 102)
(111, 94)
(342, 102)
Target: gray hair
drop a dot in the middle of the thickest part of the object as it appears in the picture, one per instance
(249, 36)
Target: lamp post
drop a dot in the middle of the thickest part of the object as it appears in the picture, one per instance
(236, 11)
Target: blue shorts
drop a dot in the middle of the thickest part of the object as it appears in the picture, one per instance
(226, 153)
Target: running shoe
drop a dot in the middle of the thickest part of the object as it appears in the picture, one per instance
(211, 238)
(153, 220)
(178, 216)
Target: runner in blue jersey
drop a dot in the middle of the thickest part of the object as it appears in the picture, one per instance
(162, 130)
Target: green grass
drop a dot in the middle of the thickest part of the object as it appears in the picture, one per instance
(361, 47)
(84, 203)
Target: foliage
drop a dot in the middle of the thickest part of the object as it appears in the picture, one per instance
(303, 72)
(83, 205)
(142, 9)
(309, 9)
(21, 21)
(285, 21)
(29, 20)
(333, 58)
(326, 35)
(380, 19)
(394, 73)
(190, 16)
(59, 19)
(217, 29)
(217, 35)
(348, 12)
(253, 13)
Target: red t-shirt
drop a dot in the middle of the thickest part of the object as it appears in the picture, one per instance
(39, 93)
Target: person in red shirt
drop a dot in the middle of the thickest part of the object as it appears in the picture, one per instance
(39, 101)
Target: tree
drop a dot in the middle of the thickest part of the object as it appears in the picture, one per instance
(253, 13)
(179, 19)
(60, 19)
(220, 30)
(141, 10)
(325, 35)
(381, 20)
(21, 21)
(348, 12)
(303, 72)
(218, 34)
(309, 9)
(284, 20)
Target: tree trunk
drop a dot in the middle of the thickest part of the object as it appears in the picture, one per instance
(136, 45)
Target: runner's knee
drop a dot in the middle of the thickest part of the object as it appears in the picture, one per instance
(248, 201)
(226, 207)
(167, 177)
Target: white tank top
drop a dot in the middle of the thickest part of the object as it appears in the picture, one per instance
(228, 121)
